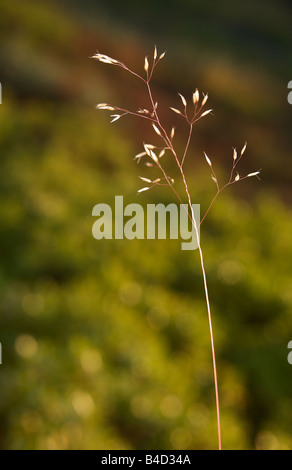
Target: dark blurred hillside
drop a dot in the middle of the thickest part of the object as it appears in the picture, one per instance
(252, 33)
(238, 53)
(105, 343)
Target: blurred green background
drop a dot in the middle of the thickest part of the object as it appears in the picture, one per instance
(105, 344)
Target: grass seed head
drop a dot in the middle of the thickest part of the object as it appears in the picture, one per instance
(105, 106)
(115, 117)
(196, 97)
(255, 173)
(156, 129)
(206, 112)
(176, 111)
(204, 100)
(147, 180)
(208, 159)
(183, 100)
(243, 149)
(105, 59)
(142, 189)
(153, 156)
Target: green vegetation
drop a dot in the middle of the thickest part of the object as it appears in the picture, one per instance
(105, 344)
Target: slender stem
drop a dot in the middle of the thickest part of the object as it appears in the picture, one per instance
(168, 141)
(208, 309)
(169, 144)
(212, 344)
(154, 118)
(123, 66)
(164, 135)
(211, 204)
(187, 144)
(221, 189)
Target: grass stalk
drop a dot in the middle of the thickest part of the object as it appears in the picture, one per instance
(150, 152)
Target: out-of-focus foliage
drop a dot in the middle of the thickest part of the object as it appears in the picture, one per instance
(105, 344)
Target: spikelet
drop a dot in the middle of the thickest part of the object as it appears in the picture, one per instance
(153, 156)
(243, 149)
(176, 111)
(105, 106)
(204, 101)
(254, 173)
(156, 129)
(148, 147)
(206, 112)
(105, 59)
(143, 111)
(142, 189)
(183, 99)
(208, 159)
(147, 180)
(196, 97)
(139, 156)
(115, 117)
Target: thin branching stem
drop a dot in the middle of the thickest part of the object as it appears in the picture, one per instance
(187, 144)
(196, 227)
(158, 127)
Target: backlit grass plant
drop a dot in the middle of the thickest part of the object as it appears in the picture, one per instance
(191, 112)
